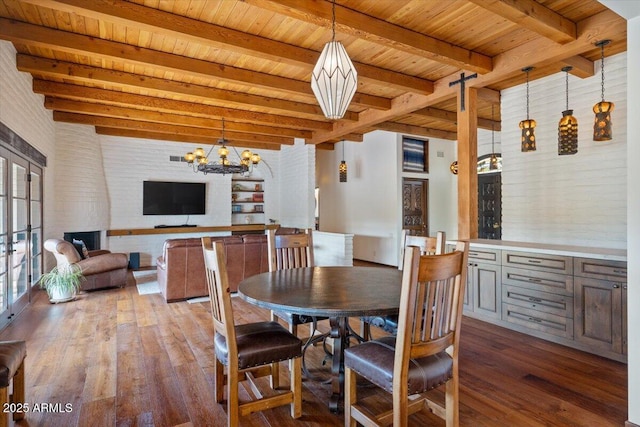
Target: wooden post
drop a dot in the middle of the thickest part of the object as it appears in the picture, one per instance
(467, 165)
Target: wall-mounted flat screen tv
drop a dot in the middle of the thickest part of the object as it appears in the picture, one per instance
(173, 198)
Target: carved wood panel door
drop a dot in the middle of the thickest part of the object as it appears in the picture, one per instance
(414, 206)
(490, 206)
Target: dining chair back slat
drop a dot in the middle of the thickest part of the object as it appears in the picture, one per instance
(424, 353)
(220, 297)
(291, 251)
(245, 354)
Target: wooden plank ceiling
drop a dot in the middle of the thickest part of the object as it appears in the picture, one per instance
(171, 70)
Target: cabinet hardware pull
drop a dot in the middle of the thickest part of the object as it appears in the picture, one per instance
(616, 286)
(534, 261)
(535, 299)
(535, 319)
(532, 279)
(620, 271)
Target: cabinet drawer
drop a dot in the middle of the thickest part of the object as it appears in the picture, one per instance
(559, 305)
(537, 320)
(487, 256)
(600, 269)
(537, 261)
(538, 280)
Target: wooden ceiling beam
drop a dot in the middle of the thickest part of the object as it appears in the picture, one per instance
(127, 133)
(78, 44)
(192, 30)
(489, 95)
(582, 67)
(351, 22)
(137, 125)
(605, 25)
(533, 16)
(452, 117)
(215, 124)
(87, 74)
(144, 103)
(416, 130)
(104, 110)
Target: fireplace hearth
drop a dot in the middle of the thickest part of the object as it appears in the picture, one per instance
(90, 238)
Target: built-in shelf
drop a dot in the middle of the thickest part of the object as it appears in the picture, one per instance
(247, 198)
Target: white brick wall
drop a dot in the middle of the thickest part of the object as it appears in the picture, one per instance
(296, 186)
(20, 109)
(128, 162)
(578, 199)
(23, 112)
(81, 196)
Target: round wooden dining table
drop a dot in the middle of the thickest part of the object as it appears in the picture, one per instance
(334, 292)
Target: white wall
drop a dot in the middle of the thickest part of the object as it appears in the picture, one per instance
(368, 205)
(577, 199)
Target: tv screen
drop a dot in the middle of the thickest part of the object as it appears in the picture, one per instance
(173, 198)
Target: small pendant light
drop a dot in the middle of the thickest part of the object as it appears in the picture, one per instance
(602, 124)
(528, 139)
(342, 169)
(568, 126)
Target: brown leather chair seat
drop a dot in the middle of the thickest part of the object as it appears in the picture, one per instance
(374, 361)
(12, 355)
(260, 344)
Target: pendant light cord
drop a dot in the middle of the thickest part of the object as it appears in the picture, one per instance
(567, 88)
(602, 67)
(333, 23)
(527, 94)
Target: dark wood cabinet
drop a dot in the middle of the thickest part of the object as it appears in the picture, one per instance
(550, 292)
(600, 304)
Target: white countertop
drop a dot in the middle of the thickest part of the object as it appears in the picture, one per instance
(545, 248)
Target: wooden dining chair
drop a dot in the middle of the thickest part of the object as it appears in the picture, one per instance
(424, 354)
(434, 245)
(248, 351)
(291, 251)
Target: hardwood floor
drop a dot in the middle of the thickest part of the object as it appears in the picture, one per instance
(123, 359)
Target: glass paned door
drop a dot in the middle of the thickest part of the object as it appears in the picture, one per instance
(4, 240)
(20, 244)
(35, 196)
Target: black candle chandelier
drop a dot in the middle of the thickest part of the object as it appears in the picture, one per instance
(200, 162)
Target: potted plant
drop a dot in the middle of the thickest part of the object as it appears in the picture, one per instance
(62, 284)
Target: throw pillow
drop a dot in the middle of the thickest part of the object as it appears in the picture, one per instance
(81, 248)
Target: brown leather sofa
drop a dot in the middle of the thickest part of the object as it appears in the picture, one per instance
(180, 268)
(101, 269)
